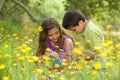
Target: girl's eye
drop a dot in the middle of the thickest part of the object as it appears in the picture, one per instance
(50, 35)
(57, 32)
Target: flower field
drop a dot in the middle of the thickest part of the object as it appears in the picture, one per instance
(18, 62)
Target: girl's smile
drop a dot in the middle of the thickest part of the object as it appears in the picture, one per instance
(54, 34)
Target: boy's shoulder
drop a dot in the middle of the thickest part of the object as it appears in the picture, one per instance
(91, 27)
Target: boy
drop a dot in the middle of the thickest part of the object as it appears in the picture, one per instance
(91, 35)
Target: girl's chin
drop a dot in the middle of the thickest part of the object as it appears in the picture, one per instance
(55, 41)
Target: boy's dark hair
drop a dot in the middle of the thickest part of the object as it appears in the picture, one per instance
(71, 18)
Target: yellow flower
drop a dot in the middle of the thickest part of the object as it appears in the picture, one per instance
(52, 76)
(6, 46)
(47, 58)
(97, 48)
(88, 41)
(5, 78)
(25, 48)
(88, 57)
(88, 72)
(47, 63)
(97, 66)
(62, 77)
(31, 61)
(47, 50)
(0, 56)
(1, 28)
(94, 73)
(35, 58)
(22, 69)
(72, 73)
(107, 43)
(0, 51)
(85, 62)
(27, 57)
(14, 64)
(40, 29)
(117, 46)
(118, 55)
(69, 67)
(57, 66)
(106, 73)
(39, 70)
(21, 58)
(109, 64)
(17, 38)
(77, 43)
(6, 55)
(43, 77)
(77, 51)
(73, 79)
(2, 66)
(64, 63)
(109, 26)
(103, 54)
(79, 66)
(108, 51)
(14, 35)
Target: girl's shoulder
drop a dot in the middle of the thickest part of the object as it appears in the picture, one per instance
(67, 39)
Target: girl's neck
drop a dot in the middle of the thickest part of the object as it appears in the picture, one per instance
(54, 44)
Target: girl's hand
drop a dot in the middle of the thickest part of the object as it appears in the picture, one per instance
(55, 55)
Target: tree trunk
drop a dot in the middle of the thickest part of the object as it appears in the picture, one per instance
(1, 5)
(26, 10)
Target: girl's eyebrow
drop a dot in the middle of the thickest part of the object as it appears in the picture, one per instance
(55, 32)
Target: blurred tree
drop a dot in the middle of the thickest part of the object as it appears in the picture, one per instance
(26, 10)
(1, 5)
(11, 9)
(40, 8)
(103, 9)
(47, 8)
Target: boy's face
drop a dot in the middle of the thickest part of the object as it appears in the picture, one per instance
(79, 28)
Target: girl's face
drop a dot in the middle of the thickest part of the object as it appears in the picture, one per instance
(54, 34)
(79, 28)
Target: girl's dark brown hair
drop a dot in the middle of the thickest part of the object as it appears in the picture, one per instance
(47, 25)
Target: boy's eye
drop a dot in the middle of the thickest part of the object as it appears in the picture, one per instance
(73, 29)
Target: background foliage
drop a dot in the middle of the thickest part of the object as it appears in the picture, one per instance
(19, 36)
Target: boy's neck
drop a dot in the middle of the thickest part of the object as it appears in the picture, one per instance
(85, 24)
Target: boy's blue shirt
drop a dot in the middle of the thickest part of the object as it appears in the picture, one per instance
(92, 36)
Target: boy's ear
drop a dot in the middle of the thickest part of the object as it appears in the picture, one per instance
(80, 22)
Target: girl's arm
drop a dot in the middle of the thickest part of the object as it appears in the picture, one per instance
(69, 46)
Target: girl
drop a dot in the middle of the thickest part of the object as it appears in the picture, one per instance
(54, 38)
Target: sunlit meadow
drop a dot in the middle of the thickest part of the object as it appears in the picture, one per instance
(18, 62)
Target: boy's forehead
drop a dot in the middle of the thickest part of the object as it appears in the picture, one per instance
(71, 27)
